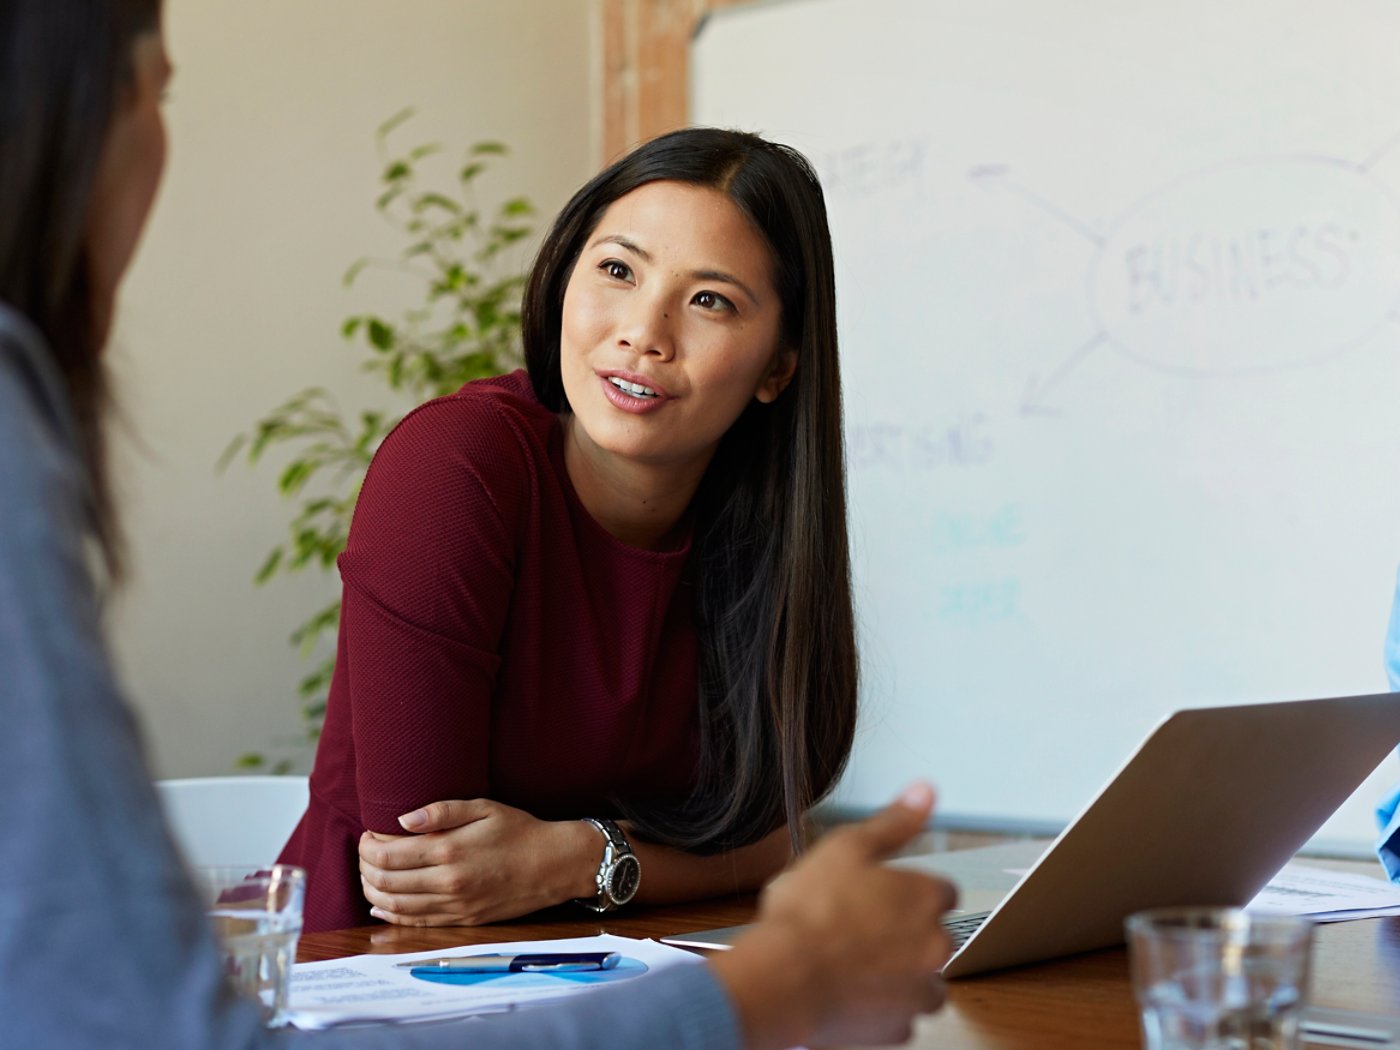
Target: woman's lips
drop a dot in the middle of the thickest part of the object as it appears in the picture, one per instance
(632, 393)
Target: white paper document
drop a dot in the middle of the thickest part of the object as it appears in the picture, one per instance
(1320, 894)
(1327, 896)
(364, 989)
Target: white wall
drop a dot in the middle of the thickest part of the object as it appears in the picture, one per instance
(235, 302)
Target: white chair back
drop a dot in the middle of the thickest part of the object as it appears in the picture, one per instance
(232, 820)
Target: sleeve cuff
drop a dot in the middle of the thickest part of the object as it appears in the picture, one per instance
(1388, 846)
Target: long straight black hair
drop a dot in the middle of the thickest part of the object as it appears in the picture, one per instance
(65, 69)
(778, 664)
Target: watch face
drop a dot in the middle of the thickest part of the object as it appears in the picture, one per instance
(624, 879)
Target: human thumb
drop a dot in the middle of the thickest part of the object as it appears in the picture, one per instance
(440, 816)
(897, 823)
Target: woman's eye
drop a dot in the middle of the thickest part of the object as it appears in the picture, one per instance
(619, 271)
(712, 301)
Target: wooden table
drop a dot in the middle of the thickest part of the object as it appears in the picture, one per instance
(1068, 1004)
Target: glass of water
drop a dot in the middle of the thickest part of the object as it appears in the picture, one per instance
(1220, 978)
(256, 916)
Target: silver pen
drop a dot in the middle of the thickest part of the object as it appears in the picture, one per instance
(1346, 1028)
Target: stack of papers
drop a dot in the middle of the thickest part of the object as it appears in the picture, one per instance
(1327, 896)
(371, 989)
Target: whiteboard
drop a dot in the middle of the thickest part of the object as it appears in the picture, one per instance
(1119, 297)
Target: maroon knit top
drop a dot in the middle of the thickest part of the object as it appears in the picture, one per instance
(495, 642)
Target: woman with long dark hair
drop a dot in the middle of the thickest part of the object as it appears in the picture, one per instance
(772, 573)
(91, 889)
(596, 635)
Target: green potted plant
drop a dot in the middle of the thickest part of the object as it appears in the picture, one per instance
(465, 325)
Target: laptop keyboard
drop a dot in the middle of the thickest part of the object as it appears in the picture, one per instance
(961, 927)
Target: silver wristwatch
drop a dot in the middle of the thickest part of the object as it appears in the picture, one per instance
(620, 873)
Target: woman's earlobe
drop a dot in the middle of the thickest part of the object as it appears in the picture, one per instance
(779, 375)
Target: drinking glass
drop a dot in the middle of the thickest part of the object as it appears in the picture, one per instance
(256, 916)
(1220, 978)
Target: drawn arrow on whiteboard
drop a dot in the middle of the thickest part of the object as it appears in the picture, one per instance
(1034, 398)
(998, 177)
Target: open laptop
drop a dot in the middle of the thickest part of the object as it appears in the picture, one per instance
(1211, 805)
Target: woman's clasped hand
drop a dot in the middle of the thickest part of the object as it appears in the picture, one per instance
(474, 861)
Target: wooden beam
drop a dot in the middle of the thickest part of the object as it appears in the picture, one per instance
(644, 68)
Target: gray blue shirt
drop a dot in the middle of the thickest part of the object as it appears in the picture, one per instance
(1388, 808)
(103, 944)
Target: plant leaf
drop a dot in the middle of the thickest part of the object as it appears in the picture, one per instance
(353, 271)
(295, 475)
(385, 129)
(388, 197)
(269, 565)
(424, 201)
(230, 452)
(381, 336)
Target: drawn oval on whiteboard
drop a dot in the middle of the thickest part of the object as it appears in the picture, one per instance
(1256, 265)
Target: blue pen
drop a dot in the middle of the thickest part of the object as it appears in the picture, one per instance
(539, 962)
